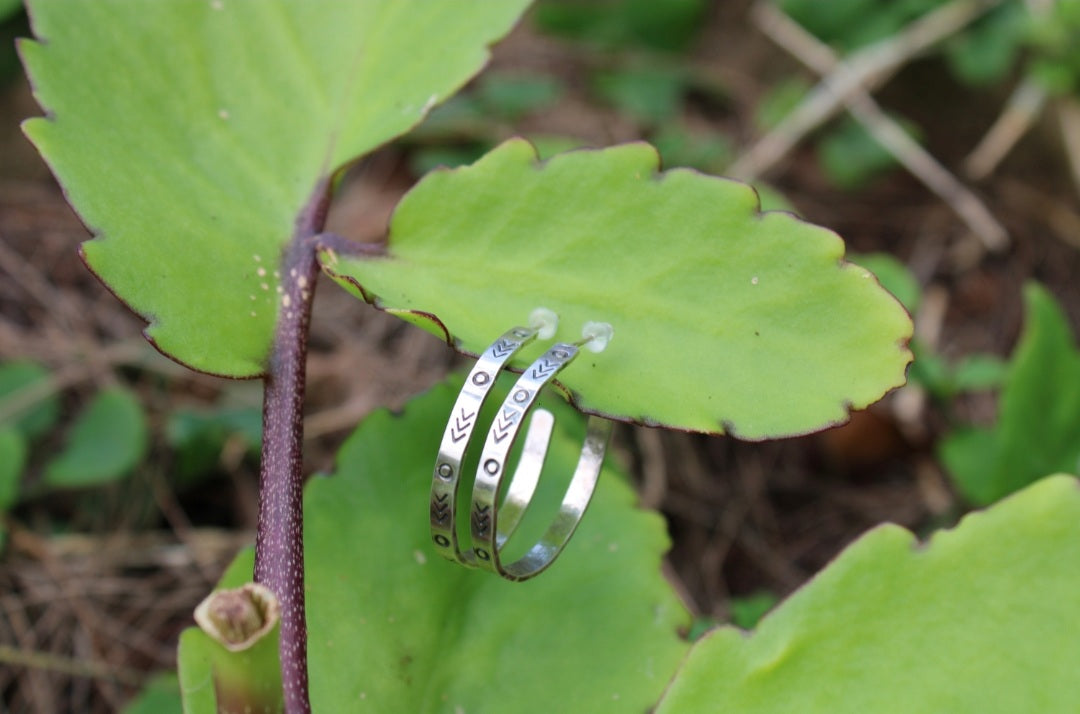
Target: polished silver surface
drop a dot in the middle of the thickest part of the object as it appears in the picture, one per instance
(458, 434)
(490, 525)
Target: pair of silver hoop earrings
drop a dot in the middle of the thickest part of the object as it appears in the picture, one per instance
(491, 524)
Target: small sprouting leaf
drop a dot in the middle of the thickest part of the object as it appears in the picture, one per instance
(979, 372)
(725, 319)
(624, 24)
(851, 156)
(234, 651)
(1055, 61)
(512, 96)
(747, 611)
(651, 94)
(679, 146)
(988, 50)
(597, 632)
(851, 24)
(106, 442)
(772, 200)
(982, 618)
(779, 101)
(26, 399)
(198, 438)
(1038, 425)
(426, 159)
(198, 652)
(547, 145)
(187, 426)
(225, 115)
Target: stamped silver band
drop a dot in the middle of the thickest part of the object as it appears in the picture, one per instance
(491, 526)
(456, 437)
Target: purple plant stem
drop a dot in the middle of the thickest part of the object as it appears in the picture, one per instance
(279, 544)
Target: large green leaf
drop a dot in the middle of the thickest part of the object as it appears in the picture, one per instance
(1038, 426)
(981, 619)
(189, 134)
(395, 628)
(725, 318)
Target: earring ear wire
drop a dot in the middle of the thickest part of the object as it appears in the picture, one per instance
(545, 322)
(597, 335)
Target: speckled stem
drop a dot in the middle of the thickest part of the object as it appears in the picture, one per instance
(279, 545)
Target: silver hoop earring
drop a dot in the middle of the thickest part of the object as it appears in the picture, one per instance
(458, 434)
(492, 524)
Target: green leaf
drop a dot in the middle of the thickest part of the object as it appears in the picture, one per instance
(851, 156)
(772, 200)
(547, 145)
(779, 101)
(978, 373)
(1055, 60)
(725, 319)
(1038, 426)
(512, 96)
(12, 462)
(969, 455)
(161, 695)
(188, 135)
(980, 619)
(197, 651)
(26, 398)
(198, 438)
(747, 611)
(188, 426)
(894, 276)
(678, 146)
(986, 52)
(651, 94)
(395, 628)
(427, 159)
(670, 25)
(9, 8)
(850, 24)
(971, 374)
(106, 442)
(931, 371)
(196, 671)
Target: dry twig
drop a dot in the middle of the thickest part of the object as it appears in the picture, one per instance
(1069, 118)
(865, 69)
(1024, 105)
(844, 80)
